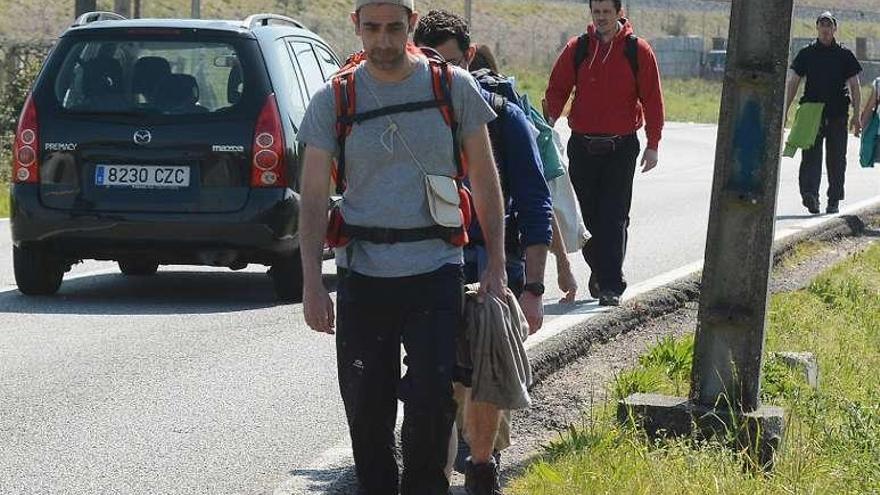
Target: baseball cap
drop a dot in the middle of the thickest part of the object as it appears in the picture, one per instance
(410, 4)
(827, 16)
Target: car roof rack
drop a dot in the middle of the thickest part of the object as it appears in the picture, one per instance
(90, 17)
(263, 20)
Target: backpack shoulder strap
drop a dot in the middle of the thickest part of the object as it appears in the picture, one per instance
(631, 49)
(441, 83)
(582, 49)
(346, 105)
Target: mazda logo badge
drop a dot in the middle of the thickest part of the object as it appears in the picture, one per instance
(142, 137)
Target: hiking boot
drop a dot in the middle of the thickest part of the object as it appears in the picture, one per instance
(593, 286)
(609, 299)
(812, 204)
(482, 479)
(833, 206)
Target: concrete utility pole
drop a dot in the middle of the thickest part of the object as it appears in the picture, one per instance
(80, 7)
(196, 9)
(122, 7)
(137, 9)
(725, 384)
(468, 11)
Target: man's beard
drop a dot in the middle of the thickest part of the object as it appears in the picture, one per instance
(386, 58)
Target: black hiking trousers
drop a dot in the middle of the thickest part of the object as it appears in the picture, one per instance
(833, 132)
(375, 316)
(603, 184)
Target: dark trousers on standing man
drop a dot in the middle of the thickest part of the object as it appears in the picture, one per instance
(833, 133)
(375, 316)
(602, 177)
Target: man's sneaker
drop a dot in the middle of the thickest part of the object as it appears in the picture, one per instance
(593, 286)
(833, 206)
(482, 479)
(812, 204)
(609, 299)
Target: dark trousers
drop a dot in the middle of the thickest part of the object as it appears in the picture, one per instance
(603, 184)
(375, 316)
(833, 132)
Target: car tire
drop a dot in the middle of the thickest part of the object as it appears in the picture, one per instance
(287, 278)
(37, 272)
(138, 268)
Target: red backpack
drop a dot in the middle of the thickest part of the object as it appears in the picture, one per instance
(338, 232)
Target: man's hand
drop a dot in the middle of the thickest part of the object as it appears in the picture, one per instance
(318, 309)
(533, 308)
(856, 124)
(649, 160)
(494, 280)
(567, 283)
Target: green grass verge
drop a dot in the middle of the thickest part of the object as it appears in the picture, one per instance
(686, 100)
(4, 200)
(832, 442)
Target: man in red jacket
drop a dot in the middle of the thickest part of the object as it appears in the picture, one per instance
(617, 91)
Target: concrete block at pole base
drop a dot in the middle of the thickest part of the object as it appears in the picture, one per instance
(661, 416)
(804, 363)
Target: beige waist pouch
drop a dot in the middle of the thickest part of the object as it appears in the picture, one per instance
(443, 200)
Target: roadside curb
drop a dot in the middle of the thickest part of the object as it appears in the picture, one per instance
(576, 341)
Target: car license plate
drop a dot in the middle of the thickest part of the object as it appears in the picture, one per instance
(142, 176)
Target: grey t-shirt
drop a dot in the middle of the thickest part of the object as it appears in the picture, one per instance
(386, 187)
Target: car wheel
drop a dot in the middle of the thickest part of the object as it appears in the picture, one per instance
(37, 272)
(287, 277)
(138, 268)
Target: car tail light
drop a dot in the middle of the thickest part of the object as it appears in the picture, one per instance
(25, 152)
(267, 162)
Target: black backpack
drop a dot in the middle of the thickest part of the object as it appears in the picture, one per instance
(631, 50)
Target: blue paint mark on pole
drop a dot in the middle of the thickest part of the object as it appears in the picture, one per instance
(749, 145)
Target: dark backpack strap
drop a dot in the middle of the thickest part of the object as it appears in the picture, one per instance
(631, 49)
(359, 118)
(581, 51)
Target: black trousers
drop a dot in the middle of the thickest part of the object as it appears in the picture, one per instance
(603, 184)
(833, 132)
(375, 316)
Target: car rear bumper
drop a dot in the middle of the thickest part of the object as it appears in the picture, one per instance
(258, 233)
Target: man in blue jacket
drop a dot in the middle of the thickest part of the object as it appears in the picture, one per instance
(528, 217)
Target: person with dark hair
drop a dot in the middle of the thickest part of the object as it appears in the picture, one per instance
(484, 59)
(398, 235)
(617, 91)
(832, 74)
(528, 218)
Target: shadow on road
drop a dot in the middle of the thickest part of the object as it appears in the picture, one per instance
(330, 481)
(168, 292)
(582, 307)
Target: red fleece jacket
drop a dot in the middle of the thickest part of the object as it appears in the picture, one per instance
(606, 100)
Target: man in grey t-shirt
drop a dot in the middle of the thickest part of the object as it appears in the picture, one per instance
(407, 291)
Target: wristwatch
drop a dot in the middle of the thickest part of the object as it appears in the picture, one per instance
(534, 288)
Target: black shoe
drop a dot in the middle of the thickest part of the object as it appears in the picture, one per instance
(609, 299)
(482, 479)
(833, 206)
(812, 204)
(593, 286)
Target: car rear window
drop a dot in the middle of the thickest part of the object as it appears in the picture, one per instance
(150, 76)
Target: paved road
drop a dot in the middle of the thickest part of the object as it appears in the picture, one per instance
(194, 381)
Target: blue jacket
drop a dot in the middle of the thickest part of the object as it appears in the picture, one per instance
(528, 210)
